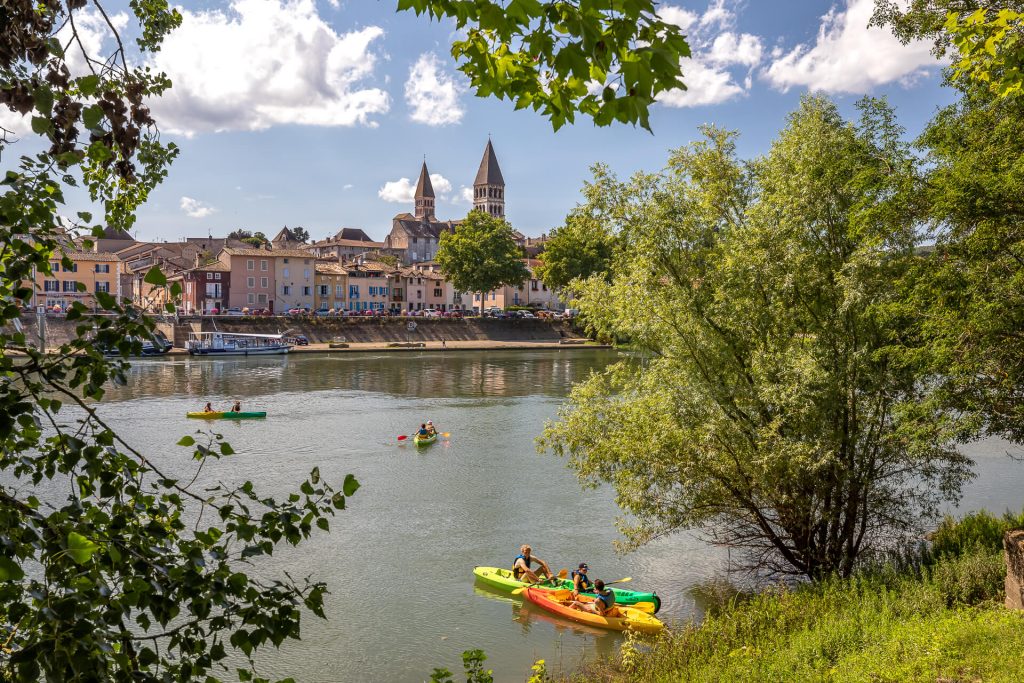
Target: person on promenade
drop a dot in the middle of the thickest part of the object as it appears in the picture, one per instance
(603, 603)
(521, 566)
(581, 583)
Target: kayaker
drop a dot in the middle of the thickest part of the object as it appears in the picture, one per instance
(581, 583)
(521, 566)
(603, 603)
(423, 433)
(237, 408)
(430, 428)
(208, 408)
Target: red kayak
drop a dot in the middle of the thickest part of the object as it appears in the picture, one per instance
(620, 617)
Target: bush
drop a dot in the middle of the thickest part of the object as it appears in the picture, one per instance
(976, 530)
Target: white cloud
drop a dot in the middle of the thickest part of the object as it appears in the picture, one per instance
(683, 18)
(263, 63)
(14, 122)
(717, 15)
(849, 56)
(466, 194)
(403, 190)
(705, 85)
(729, 48)
(432, 94)
(347, 186)
(194, 208)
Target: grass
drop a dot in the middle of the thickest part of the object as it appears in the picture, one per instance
(936, 615)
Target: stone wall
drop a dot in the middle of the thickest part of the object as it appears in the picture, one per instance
(1013, 544)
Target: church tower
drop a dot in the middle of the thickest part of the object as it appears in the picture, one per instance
(489, 186)
(424, 196)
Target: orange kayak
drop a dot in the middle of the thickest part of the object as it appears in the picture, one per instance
(621, 618)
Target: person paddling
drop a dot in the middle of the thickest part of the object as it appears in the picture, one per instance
(237, 408)
(431, 431)
(521, 566)
(423, 433)
(208, 408)
(581, 583)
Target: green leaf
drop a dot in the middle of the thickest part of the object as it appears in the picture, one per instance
(350, 486)
(314, 476)
(87, 85)
(41, 125)
(92, 116)
(226, 449)
(186, 441)
(9, 570)
(80, 548)
(156, 277)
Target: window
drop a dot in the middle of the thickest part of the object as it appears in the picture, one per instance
(251, 298)
(286, 260)
(306, 262)
(250, 282)
(216, 276)
(74, 268)
(533, 285)
(307, 291)
(339, 291)
(70, 286)
(209, 276)
(398, 293)
(386, 290)
(305, 273)
(55, 266)
(103, 287)
(325, 290)
(437, 292)
(353, 291)
(102, 267)
(212, 290)
(51, 286)
(419, 293)
(261, 298)
(251, 265)
(414, 240)
(286, 290)
(286, 270)
(373, 291)
(264, 282)
(263, 265)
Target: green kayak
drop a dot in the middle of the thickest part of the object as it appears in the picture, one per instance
(503, 579)
(424, 440)
(227, 415)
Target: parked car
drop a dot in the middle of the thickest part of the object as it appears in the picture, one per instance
(235, 310)
(527, 314)
(298, 340)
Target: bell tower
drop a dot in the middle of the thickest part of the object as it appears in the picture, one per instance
(424, 195)
(489, 186)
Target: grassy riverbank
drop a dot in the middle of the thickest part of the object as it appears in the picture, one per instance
(938, 616)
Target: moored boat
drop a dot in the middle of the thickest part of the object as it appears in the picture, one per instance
(231, 344)
(157, 345)
(619, 618)
(227, 415)
(503, 579)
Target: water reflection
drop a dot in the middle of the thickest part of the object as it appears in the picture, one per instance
(424, 375)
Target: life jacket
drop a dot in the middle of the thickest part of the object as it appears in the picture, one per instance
(608, 600)
(516, 571)
(585, 583)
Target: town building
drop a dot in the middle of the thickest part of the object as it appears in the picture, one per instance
(331, 287)
(96, 271)
(369, 286)
(273, 279)
(204, 288)
(295, 275)
(347, 244)
(416, 237)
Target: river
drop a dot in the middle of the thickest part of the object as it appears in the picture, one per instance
(399, 559)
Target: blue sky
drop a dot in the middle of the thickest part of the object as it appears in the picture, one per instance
(302, 113)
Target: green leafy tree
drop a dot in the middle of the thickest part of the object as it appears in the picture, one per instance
(584, 246)
(547, 54)
(239, 234)
(773, 411)
(300, 233)
(481, 255)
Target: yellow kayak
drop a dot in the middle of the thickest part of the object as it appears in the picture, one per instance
(620, 617)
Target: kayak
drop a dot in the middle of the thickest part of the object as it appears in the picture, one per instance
(227, 415)
(424, 440)
(503, 579)
(620, 617)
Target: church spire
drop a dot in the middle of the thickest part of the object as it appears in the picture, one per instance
(424, 195)
(489, 186)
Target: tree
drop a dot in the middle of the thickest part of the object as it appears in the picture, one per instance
(549, 55)
(239, 234)
(773, 410)
(481, 255)
(300, 234)
(988, 41)
(581, 248)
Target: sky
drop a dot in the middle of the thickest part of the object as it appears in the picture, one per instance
(318, 113)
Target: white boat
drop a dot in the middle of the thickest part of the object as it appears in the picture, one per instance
(231, 344)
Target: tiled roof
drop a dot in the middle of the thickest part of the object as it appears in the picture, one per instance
(330, 269)
(489, 173)
(347, 243)
(352, 234)
(295, 253)
(414, 227)
(423, 186)
(92, 256)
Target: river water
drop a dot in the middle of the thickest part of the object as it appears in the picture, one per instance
(399, 560)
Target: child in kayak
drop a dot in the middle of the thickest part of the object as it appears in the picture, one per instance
(604, 600)
(521, 566)
(423, 433)
(208, 408)
(237, 408)
(581, 583)
(430, 428)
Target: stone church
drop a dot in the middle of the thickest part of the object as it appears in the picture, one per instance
(415, 237)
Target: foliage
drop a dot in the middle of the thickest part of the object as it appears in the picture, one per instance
(109, 571)
(473, 663)
(885, 624)
(771, 410)
(584, 246)
(606, 60)
(481, 255)
(239, 234)
(300, 233)
(976, 530)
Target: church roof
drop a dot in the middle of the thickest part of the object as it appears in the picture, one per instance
(352, 234)
(423, 187)
(489, 173)
(415, 227)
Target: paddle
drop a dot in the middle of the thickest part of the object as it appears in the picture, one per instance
(562, 573)
(625, 580)
(403, 437)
